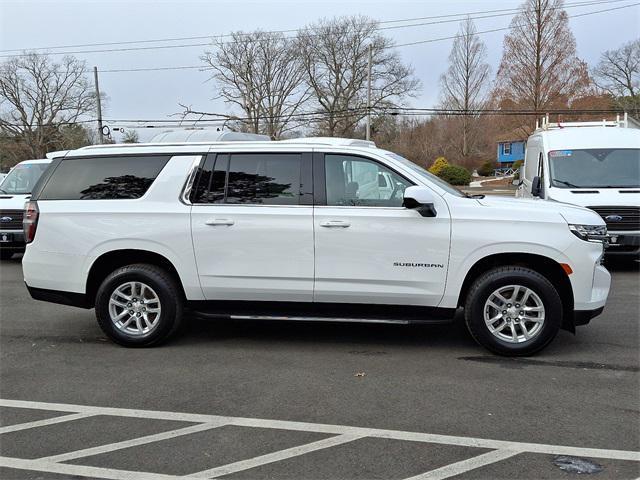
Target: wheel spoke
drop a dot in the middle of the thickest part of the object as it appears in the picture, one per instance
(514, 335)
(501, 297)
(121, 295)
(500, 327)
(128, 322)
(494, 319)
(514, 295)
(533, 309)
(494, 305)
(525, 332)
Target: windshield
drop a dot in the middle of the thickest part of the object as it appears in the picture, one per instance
(23, 177)
(595, 168)
(426, 174)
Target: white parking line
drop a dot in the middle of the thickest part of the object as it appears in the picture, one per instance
(274, 457)
(46, 421)
(81, 470)
(64, 457)
(463, 466)
(335, 429)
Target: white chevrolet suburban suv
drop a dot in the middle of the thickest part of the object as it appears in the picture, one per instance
(306, 229)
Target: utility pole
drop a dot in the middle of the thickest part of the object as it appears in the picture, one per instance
(95, 76)
(369, 95)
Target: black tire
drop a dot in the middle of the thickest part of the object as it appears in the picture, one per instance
(494, 279)
(6, 254)
(167, 291)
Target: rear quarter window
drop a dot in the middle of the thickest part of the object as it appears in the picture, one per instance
(103, 178)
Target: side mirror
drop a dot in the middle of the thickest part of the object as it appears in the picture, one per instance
(536, 187)
(420, 199)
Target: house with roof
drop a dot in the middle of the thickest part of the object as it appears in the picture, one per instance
(511, 147)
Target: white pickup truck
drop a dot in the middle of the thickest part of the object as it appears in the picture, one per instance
(307, 229)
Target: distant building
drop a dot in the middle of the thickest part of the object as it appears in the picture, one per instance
(511, 147)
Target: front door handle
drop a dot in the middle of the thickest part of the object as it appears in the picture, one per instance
(219, 222)
(335, 224)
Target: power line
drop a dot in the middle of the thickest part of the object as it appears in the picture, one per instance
(201, 37)
(161, 47)
(419, 42)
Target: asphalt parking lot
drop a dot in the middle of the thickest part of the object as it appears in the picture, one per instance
(270, 400)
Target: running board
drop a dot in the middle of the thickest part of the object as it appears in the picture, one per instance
(319, 319)
(320, 312)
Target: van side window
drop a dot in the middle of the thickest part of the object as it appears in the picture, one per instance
(531, 162)
(103, 178)
(541, 167)
(356, 181)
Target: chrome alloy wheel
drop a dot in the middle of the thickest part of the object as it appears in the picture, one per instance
(134, 308)
(514, 314)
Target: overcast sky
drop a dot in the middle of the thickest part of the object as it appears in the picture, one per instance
(155, 95)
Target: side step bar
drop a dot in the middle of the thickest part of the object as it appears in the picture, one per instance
(320, 312)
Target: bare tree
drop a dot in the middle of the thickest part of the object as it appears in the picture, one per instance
(130, 136)
(618, 74)
(464, 86)
(39, 96)
(335, 56)
(261, 73)
(539, 64)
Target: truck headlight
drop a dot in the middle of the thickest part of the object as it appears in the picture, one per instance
(590, 233)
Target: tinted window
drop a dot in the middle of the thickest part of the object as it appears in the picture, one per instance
(270, 179)
(103, 178)
(211, 180)
(356, 181)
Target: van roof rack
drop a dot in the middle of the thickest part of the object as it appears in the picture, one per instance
(545, 124)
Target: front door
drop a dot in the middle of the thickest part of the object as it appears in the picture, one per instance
(252, 227)
(370, 249)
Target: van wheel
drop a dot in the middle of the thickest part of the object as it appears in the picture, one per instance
(139, 305)
(513, 311)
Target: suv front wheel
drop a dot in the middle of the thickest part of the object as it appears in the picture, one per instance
(513, 311)
(139, 305)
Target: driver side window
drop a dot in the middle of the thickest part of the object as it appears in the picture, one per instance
(357, 181)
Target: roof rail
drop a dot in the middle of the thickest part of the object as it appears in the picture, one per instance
(545, 124)
(335, 141)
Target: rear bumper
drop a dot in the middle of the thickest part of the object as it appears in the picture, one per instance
(60, 297)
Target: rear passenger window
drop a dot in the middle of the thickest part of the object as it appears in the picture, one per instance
(211, 180)
(264, 178)
(103, 178)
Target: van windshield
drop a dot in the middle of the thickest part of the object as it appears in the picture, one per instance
(595, 168)
(22, 178)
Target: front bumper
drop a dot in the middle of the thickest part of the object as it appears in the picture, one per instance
(623, 244)
(12, 240)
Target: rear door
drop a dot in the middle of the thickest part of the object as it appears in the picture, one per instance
(252, 226)
(369, 248)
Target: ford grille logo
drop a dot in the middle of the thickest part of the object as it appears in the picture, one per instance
(613, 218)
(6, 219)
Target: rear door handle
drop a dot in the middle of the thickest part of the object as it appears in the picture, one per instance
(219, 222)
(335, 224)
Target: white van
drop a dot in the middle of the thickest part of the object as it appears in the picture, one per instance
(15, 190)
(590, 164)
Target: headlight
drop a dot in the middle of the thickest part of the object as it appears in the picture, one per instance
(590, 233)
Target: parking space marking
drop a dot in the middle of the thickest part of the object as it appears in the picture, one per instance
(500, 449)
(334, 429)
(81, 470)
(275, 456)
(63, 457)
(46, 421)
(467, 465)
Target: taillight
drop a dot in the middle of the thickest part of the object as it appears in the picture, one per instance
(30, 221)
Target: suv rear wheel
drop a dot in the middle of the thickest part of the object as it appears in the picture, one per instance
(513, 311)
(139, 305)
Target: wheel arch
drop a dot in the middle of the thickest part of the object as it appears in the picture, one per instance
(548, 267)
(114, 259)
